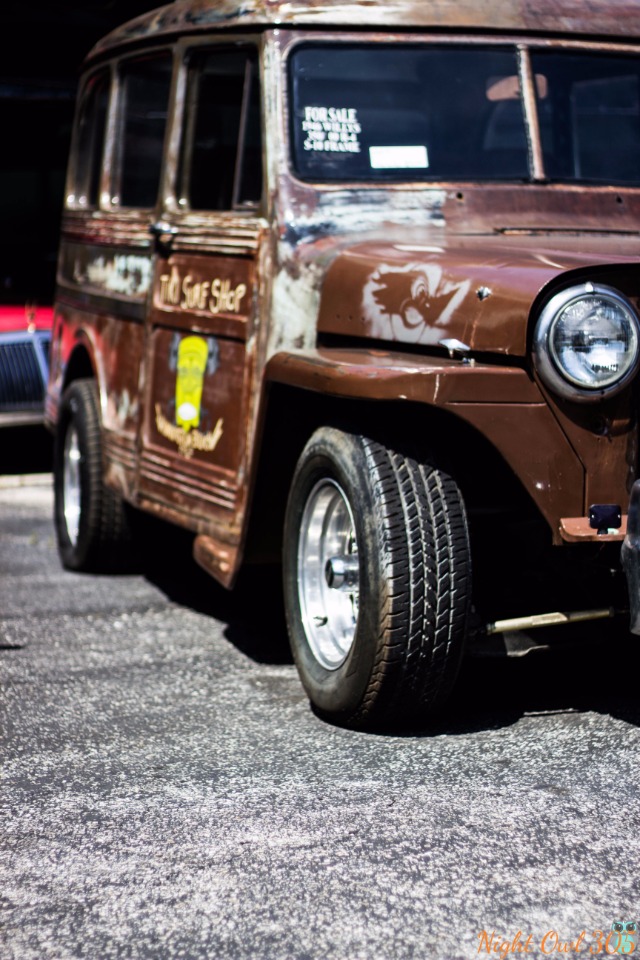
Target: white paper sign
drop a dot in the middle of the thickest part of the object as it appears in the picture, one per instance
(398, 158)
(331, 129)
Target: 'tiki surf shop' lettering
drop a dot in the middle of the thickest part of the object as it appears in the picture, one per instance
(187, 293)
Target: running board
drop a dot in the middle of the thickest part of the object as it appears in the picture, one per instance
(556, 619)
(511, 638)
(219, 559)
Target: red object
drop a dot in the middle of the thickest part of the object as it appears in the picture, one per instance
(19, 318)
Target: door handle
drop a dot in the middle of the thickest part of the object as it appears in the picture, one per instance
(163, 233)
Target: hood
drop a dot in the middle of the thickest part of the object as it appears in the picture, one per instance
(479, 291)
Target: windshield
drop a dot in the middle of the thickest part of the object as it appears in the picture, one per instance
(413, 112)
(589, 109)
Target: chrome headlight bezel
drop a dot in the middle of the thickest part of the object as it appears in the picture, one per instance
(546, 361)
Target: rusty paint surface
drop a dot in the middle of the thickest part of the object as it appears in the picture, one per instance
(502, 403)
(479, 291)
(342, 290)
(114, 346)
(218, 558)
(197, 389)
(579, 530)
(535, 447)
(387, 375)
(602, 18)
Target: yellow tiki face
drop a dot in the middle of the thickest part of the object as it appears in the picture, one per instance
(193, 353)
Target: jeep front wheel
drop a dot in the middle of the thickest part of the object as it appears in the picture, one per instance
(377, 577)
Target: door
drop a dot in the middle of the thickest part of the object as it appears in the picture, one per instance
(199, 389)
(106, 262)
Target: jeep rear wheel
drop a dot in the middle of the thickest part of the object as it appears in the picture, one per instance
(90, 520)
(377, 578)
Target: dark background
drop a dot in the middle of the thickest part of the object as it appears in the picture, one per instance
(42, 46)
(49, 38)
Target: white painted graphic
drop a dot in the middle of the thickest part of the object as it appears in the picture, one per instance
(126, 274)
(420, 316)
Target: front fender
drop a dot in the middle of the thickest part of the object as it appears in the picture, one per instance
(502, 403)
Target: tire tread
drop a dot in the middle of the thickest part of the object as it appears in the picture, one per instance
(423, 623)
(105, 541)
(415, 580)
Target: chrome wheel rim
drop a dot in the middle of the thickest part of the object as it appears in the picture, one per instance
(71, 484)
(328, 574)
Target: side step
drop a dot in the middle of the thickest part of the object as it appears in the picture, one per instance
(220, 560)
(511, 638)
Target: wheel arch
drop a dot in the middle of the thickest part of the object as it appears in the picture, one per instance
(292, 414)
(72, 358)
(80, 365)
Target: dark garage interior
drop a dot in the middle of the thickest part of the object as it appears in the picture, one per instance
(42, 46)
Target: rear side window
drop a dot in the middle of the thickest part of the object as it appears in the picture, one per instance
(221, 157)
(142, 119)
(89, 143)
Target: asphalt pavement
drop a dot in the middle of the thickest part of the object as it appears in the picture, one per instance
(167, 792)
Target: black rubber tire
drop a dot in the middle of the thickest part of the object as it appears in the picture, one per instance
(414, 582)
(104, 541)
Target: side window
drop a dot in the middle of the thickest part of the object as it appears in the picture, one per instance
(143, 107)
(221, 158)
(89, 142)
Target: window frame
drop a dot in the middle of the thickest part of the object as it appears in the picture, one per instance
(110, 175)
(577, 179)
(523, 49)
(111, 196)
(182, 119)
(72, 200)
(500, 44)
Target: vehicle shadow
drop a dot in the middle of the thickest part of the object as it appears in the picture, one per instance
(594, 674)
(25, 450)
(593, 669)
(253, 611)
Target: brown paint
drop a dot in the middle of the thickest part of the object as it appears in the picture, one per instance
(579, 530)
(400, 292)
(343, 291)
(601, 18)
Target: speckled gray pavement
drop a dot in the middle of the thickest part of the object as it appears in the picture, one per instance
(168, 793)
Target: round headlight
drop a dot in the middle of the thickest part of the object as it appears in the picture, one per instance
(587, 342)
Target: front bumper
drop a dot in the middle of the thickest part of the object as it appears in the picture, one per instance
(630, 556)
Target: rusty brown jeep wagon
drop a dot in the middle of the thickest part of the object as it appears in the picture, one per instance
(357, 286)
